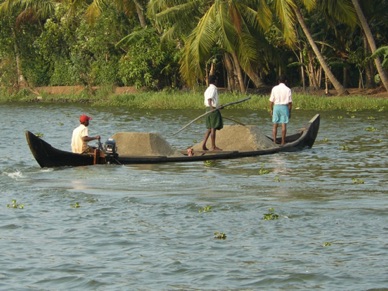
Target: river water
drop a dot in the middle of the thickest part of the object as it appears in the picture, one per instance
(152, 227)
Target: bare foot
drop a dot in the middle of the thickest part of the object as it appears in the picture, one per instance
(205, 148)
(216, 149)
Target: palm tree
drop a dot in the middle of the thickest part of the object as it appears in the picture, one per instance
(382, 52)
(229, 26)
(289, 13)
(371, 42)
(94, 9)
(24, 11)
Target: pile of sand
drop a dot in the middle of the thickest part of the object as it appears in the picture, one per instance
(142, 144)
(230, 138)
(239, 138)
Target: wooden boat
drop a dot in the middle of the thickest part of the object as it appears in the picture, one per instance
(48, 156)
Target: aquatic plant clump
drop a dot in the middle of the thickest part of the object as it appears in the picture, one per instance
(14, 204)
(271, 215)
(219, 235)
(206, 208)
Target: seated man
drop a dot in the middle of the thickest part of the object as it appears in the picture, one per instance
(80, 138)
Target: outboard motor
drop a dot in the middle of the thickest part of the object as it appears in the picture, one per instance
(110, 150)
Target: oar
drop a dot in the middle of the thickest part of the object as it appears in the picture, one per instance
(206, 113)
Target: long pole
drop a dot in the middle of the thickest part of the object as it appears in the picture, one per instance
(234, 120)
(206, 113)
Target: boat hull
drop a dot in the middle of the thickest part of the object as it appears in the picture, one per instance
(47, 156)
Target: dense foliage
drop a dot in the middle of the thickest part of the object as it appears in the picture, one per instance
(161, 44)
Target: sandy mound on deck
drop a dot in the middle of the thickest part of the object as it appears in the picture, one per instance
(239, 138)
(230, 138)
(142, 144)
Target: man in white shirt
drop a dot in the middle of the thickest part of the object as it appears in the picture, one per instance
(80, 138)
(280, 105)
(214, 120)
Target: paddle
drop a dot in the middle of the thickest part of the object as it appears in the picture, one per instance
(206, 113)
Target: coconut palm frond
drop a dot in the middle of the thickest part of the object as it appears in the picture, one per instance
(284, 10)
(381, 52)
(198, 47)
(341, 10)
(228, 25)
(310, 4)
(94, 11)
(180, 17)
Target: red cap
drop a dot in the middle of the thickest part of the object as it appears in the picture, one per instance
(83, 118)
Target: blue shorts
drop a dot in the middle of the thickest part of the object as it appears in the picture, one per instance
(280, 114)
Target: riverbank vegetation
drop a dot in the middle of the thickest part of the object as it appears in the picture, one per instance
(174, 99)
(174, 45)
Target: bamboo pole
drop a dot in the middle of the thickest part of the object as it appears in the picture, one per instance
(206, 113)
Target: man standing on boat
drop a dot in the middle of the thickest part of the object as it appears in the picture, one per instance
(214, 120)
(280, 105)
(80, 138)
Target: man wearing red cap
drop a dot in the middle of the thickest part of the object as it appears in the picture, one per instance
(80, 138)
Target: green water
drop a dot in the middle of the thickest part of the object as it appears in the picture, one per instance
(143, 227)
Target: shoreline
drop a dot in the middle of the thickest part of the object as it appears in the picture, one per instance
(131, 97)
(378, 92)
(68, 90)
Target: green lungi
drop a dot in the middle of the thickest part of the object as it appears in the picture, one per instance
(214, 120)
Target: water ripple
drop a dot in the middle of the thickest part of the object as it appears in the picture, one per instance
(151, 227)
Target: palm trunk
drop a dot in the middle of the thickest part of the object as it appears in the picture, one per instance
(312, 72)
(301, 60)
(140, 14)
(371, 41)
(369, 68)
(337, 85)
(229, 72)
(239, 74)
(21, 82)
(257, 81)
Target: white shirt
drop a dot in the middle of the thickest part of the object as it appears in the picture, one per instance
(77, 144)
(211, 93)
(281, 95)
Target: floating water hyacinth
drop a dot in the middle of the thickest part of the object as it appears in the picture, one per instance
(264, 171)
(206, 208)
(219, 235)
(371, 129)
(271, 215)
(357, 181)
(210, 163)
(14, 204)
(75, 205)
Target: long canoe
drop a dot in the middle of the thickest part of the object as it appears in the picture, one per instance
(48, 157)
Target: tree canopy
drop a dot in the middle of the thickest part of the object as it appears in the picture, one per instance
(160, 44)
